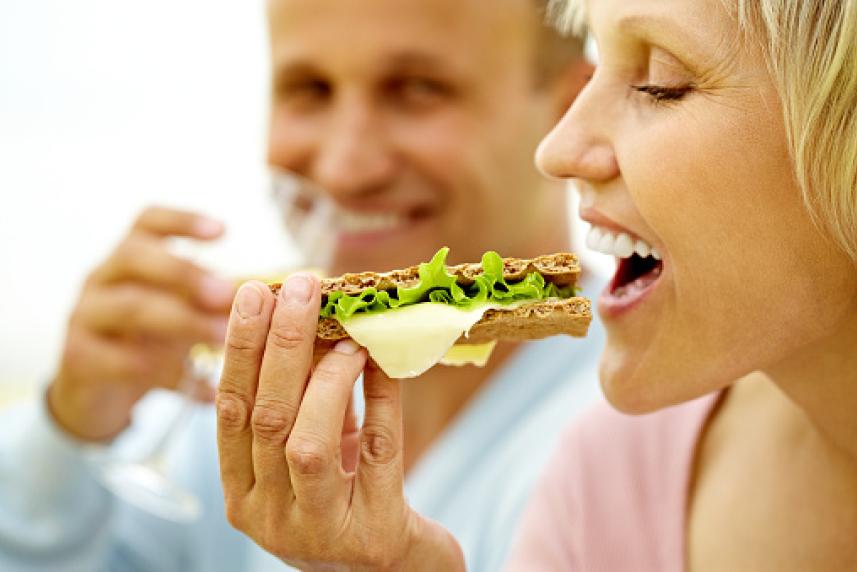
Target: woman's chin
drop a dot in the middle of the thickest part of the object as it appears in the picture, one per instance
(637, 387)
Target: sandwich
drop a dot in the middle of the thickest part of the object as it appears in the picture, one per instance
(412, 319)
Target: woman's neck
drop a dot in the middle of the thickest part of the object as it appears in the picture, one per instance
(822, 381)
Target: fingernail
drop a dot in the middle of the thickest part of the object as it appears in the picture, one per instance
(215, 290)
(298, 288)
(207, 227)
(347, 347)
(248, 302)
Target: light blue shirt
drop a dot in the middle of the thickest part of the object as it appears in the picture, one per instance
(475, 479)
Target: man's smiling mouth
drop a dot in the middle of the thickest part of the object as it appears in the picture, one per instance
(353, 222)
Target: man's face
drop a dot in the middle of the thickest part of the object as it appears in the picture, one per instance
(420, 119)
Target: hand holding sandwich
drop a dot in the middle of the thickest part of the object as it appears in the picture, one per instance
(137, 316)
(299, 477)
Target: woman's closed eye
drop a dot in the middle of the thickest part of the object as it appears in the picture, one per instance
(664, 93)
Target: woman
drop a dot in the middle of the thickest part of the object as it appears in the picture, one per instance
(723, 135)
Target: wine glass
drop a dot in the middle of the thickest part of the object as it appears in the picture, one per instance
(306, 214)
(144, 482)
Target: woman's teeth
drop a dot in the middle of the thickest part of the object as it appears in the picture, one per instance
(618, 244)
(356, 223)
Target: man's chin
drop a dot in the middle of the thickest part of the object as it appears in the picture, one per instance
(378, 252)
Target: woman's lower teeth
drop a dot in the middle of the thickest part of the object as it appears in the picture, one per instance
(639, 284)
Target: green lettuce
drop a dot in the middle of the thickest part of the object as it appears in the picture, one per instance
(438, 285)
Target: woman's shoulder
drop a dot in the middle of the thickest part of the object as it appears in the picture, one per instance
(613, 496)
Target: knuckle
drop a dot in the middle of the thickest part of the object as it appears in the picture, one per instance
(307, 455)
(130, 304)
(287, 336)
(272, 420)
(328, 372)
(147, 214)
(377, 445)
(233, 411)
(131, 311)
(381, 394)
(240, 342)
(234, 512)
(129, 249)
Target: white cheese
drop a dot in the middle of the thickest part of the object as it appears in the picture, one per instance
(406, 342)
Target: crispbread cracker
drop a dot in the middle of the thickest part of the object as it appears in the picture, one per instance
(561, 269)
(527, 321)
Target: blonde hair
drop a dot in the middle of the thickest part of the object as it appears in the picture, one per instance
(811, 51)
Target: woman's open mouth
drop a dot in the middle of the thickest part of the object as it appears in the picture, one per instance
(639, 267)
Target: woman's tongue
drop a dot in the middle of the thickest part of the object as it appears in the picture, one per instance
(634, 275)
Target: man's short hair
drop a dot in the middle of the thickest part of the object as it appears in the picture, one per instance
(556, 49)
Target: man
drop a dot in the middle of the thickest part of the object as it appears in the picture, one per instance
(419, 119)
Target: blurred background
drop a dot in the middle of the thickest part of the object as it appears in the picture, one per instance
(110, 105)
(107, 106)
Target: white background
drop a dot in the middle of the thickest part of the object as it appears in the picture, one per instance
(107, 106)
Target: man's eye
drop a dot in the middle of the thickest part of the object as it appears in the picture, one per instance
(310, 90)
(418, 91)
(663, 93)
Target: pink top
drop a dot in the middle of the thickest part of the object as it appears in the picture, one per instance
(614, 495)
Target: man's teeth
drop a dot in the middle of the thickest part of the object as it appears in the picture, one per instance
(619, 244)
(354, 222)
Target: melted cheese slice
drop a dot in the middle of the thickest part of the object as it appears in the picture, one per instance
(469, 354)
(406, 342)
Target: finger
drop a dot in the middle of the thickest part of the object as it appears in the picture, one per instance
(245, 344)
(162, 222)
(314, 447)
(107, 359)
(98, 359)
(285, 371)
(350, 424)
(380, 469)
(134, 310)
(350, 438)
(141, 258)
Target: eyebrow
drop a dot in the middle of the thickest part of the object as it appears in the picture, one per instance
(403, 60)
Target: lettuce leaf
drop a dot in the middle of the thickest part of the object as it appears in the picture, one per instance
(438, 285)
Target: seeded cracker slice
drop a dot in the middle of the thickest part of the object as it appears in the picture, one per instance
(530, 320)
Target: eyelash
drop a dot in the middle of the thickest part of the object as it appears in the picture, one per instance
(663, 93)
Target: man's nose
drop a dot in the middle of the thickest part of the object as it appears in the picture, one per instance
(580, 145)
(355, 155)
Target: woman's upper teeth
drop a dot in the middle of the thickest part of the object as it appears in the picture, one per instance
(357, 222)
(618, 244)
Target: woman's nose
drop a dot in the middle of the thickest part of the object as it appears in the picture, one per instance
(579, 146)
